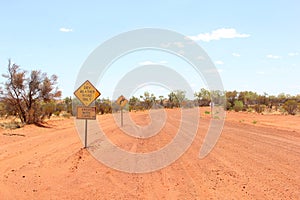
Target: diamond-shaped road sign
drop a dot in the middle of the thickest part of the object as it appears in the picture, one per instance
(121, 101)
(124, 102)
(87, 93)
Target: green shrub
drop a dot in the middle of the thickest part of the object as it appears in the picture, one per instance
(56, 113)
(11, 125)
(207, 112)
(238, 106)
(250, 109)
(290, 106)
(228, 105)
(259, 108)
(65, 115)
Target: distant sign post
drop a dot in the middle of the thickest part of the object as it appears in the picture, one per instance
(122, 101)
(86, 94)
(211, 104)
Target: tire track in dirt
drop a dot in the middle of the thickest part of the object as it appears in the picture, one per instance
(248, 162)
(259, 160)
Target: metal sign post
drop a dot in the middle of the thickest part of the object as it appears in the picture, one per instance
(121, 116)
(86, 94)
(211, 104)
(121, 101)
(86, 113)
(85, 134)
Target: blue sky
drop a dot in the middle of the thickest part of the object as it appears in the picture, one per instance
(254, 44)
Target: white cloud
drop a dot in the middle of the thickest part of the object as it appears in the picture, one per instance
(293, 54)
(65, 30)
(236, 54)
(148, 62)
(165, 45)
(179, 44)
(260, 72)
(214, 70)
(222, 33)
(172, 44)
(219, 62)
(200, 58)
(181, 52)
(273, 56)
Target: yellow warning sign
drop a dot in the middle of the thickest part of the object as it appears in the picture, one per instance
(87, 93)
(121, 101)
(124, 102)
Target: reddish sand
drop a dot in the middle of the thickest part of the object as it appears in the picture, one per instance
(256, 157)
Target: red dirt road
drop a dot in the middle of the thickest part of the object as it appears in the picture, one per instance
(256, 157)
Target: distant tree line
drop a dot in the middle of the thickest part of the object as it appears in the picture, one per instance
(34, 96)
(232, 100)
(251, 101)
